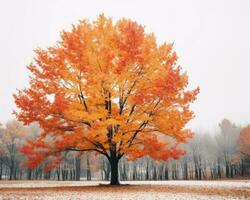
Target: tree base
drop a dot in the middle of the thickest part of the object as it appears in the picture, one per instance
(114, 184)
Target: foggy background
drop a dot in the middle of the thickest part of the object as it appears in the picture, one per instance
(211, 39)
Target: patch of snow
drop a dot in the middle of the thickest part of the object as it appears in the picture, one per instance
(38, 184)
(210, 184)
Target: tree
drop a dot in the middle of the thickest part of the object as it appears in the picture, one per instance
(106, 87)
(227, 142)
(244, 148)
(244, 141)
(12, 136)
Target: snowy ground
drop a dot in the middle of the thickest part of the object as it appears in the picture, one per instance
(141, 190)
(211, 184)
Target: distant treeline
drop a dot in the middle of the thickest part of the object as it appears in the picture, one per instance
(225, 154)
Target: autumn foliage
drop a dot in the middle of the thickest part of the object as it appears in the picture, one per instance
(244, 141)
(110, 88)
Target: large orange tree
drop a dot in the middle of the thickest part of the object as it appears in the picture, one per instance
(109, 88)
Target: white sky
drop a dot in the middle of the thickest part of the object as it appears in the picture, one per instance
(212, 39)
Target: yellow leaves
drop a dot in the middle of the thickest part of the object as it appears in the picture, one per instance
(113, 85)
(117, 138)
(111, 122)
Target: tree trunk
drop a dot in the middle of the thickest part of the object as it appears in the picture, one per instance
(29, 174)
(227, 170)
(185, 170)
(114, 171)
(88, 168)
(219, 169)
(134, 172)
(232, 171)
(166, 173)
(1, 171)
(77, 168)
(242, 167)
(125, 177)
(11, 169)
(199, 173)
(154, 173)
(147, 170)
(58, 170)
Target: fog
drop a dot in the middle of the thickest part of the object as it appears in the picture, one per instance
(211, 39)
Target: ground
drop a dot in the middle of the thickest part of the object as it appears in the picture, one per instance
(139, 190)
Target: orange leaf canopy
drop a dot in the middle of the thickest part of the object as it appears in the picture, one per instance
(107, 87)
(244, 141)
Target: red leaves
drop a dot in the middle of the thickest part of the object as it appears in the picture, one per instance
(128, 39)
(157, 149)
(54, 162)
(40, 153)
(36, 153)
(190, 95)
(138, 98)
(60, 103)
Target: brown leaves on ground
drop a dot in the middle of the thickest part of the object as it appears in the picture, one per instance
(199, 190)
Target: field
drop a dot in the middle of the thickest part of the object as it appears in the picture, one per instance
(141, 190)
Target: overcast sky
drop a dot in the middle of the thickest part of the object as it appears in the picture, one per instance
(211, 38)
